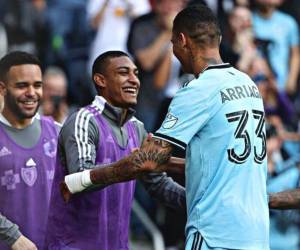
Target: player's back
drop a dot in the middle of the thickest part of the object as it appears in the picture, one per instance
(226, 163)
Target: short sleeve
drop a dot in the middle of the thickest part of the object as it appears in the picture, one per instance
(189, 111)
(294, 33)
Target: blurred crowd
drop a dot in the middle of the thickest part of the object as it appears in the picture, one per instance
(260, 37)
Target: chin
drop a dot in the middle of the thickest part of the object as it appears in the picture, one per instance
(129, 104)
(29, 114)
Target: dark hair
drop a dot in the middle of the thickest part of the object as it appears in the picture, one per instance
(101, 62)
(14, 59)
(200, 24)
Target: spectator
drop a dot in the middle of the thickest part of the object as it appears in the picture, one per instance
(237, 45)
(55, 94)
(149, 51)
(278, 36)
(68, 45)
(106, 15)
(25, 24)
(282, 175)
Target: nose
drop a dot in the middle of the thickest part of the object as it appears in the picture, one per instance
(134, 79)
(30, 91)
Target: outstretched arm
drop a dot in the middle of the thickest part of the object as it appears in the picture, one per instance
(289, 199)
(154, 156)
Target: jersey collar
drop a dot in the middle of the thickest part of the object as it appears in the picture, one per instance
(7, 123)
(112, 112)
(216, 66)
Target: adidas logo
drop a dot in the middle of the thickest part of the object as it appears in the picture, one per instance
(30, 163)
(4, 151)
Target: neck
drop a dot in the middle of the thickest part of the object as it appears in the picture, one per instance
(14, 121)
(206, 57)
(124, 115)
(266, 12)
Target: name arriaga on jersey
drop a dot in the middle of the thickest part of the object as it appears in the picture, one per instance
(239, 92)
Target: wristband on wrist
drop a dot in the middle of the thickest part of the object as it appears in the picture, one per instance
(78, 182)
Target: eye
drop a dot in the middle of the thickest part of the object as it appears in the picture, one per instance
(38, 85)
(123, 73)
(21, 85)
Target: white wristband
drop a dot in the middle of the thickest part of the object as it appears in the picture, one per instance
(77, 182)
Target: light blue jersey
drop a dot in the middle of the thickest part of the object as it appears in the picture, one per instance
(283, 33)
(219, 119)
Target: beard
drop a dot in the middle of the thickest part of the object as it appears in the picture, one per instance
(13, 105)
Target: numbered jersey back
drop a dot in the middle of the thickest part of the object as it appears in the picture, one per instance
(219, 119)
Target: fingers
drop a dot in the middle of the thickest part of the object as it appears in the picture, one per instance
(134, 150)
(65, 192)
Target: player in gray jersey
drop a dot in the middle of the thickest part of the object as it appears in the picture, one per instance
(27, 154)
(97, 136)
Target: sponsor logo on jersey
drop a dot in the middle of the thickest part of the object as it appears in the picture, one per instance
(10, 180)
(4, 151)
(169, 121)
(50, 148)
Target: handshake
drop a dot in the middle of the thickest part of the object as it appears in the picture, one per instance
(154, 156)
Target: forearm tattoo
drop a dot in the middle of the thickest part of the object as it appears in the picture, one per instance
(113, 173)
(289, 199)
(154, 151)
(152, 157)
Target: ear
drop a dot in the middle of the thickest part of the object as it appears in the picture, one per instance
(99, 80)
(2, 88)
(183, 39)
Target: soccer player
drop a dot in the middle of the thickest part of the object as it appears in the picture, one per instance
(97, 136)
(11, 235)
(27, 147)
(218, 118)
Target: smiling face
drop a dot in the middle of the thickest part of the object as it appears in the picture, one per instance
(22, 92)
(119, 83)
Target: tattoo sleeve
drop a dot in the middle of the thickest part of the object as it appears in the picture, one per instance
(153, 156)
(289, 199)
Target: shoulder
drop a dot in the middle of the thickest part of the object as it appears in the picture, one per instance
(50, 122)
(283, 16)
(140, 128)
(136, 122)
(143, 19)
(205, 84)
(81, 119)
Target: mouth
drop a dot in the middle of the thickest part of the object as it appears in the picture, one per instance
(29, 104)
(131, 91)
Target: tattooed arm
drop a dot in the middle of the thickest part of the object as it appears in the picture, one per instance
(154, 156)
(289, 199)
